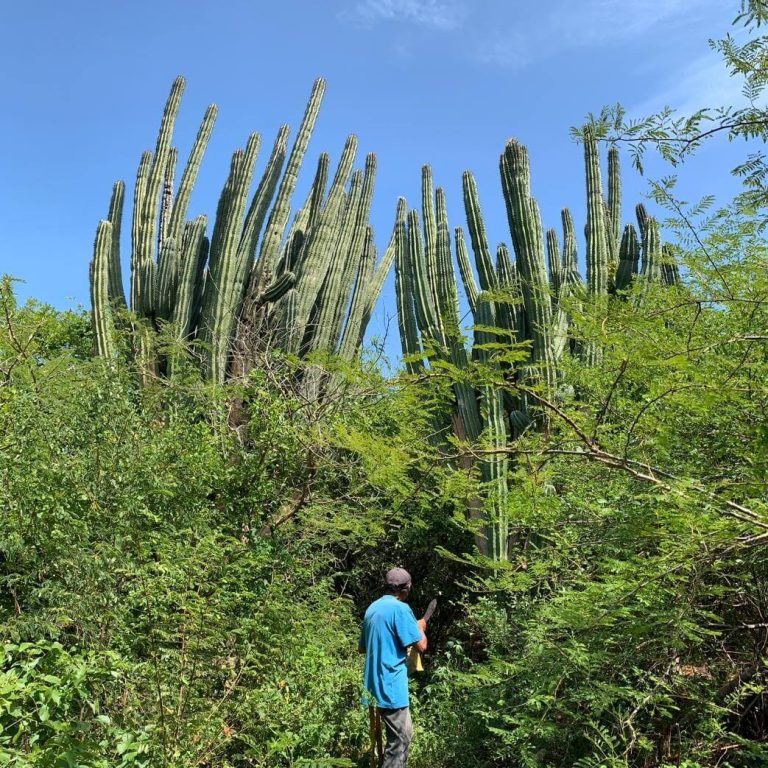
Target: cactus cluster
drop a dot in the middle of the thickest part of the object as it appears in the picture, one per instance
(526, 301)
(308, 285)
(254, 281)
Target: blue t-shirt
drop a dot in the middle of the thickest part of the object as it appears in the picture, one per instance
(389, 628)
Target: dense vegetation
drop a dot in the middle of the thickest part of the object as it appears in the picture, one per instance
(183, 564)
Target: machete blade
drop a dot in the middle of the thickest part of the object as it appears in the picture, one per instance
(430, 610)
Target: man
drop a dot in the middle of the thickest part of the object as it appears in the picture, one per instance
(389, 628)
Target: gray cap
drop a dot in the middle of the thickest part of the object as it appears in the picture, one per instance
(398, 578)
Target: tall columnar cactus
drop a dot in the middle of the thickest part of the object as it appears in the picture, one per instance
(494, 467)
(146, 209)
(669, 267)
(191, 278)
(312, 287)
(527, 239)
(554, 263)
(221, 302)
(476, 226)
(570, 267)
(368, 286)
(331, 305)
(614, 194)
(278, 218)
(629, 256)
(652, 252)
(598, 236)
(115, 217)
(405, 290)
(101, 315)
(465, 269)
(510, 312)
(528, 300)
(597, 231)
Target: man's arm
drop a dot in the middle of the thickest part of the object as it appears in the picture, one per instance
(421, 646)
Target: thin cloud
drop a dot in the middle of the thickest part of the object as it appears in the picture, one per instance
(442, 15)
(704, 82)
(588, 24)
(610, 22)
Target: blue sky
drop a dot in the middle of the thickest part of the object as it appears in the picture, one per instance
(443, 82)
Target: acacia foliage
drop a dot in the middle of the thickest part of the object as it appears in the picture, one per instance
(629, 627)
(172, 557)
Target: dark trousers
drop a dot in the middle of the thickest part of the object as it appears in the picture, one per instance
(399, 734)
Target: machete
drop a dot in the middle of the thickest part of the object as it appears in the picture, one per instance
(414, 657)
(430, 610)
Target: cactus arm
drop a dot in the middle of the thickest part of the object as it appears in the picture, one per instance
(223, 291)
(320, 333)
(476, 226)
(352, 336)
(138, 267)
(570, 255)
(431, 267)
(115, 218)
(510, 314)
(524, 223)
(286, 333)
(669, 266)
(379, 277)
(629, 254)
(257, 211)
(597, 235)
(424, 300)
(614, 195)
(101, 310)
(554, 264)
(495, 468)
(166, 279)
(447, 292)
(652, 259)
(613, 248)
(190, 173)
(313, 261)
(505, 269)
(642, 219)
(339, 299)
(429, 224)
(597, 231)
(166, 199)
(652, 253)
(317, 191)
(191, 273)
(404, 291)
(148, 213)
(465, 269)
(278, 217)
(277, 289)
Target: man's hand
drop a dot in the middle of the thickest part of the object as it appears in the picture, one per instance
(421, 646)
